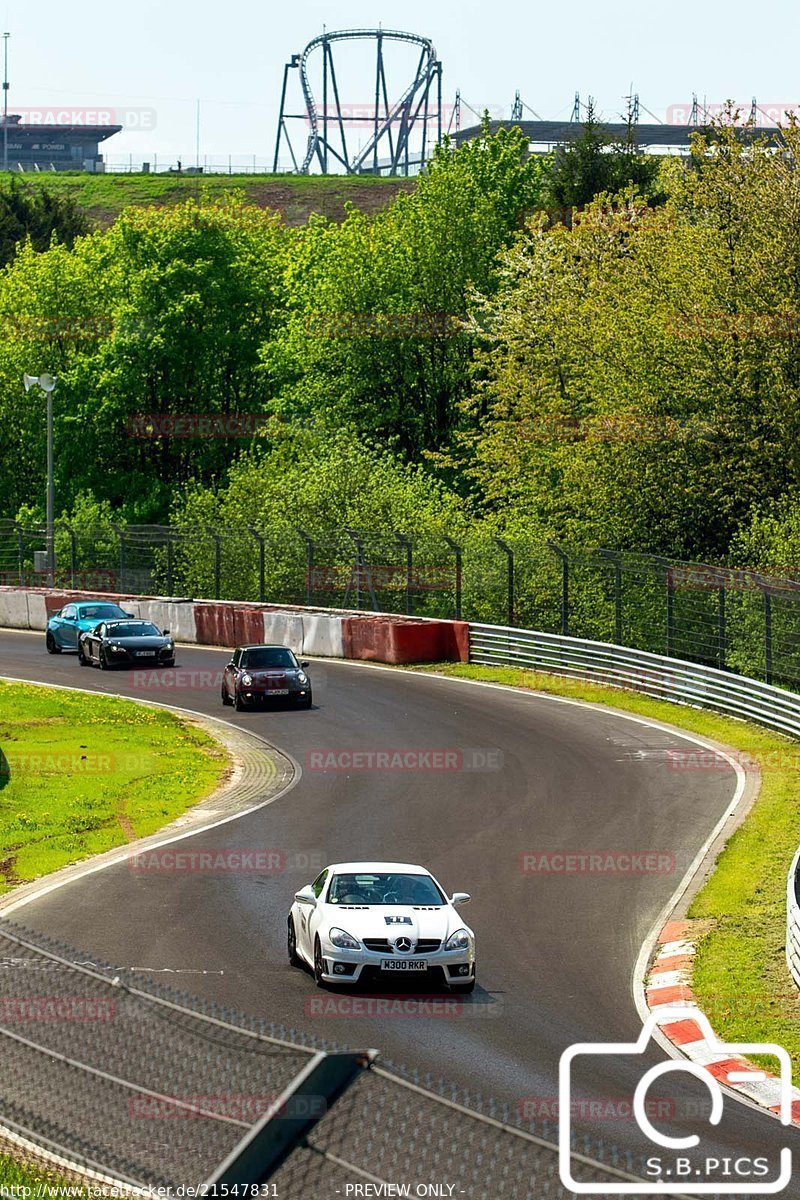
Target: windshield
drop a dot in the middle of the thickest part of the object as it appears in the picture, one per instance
(133, 631)
(98, 612)
(385, 890)
(268, 656)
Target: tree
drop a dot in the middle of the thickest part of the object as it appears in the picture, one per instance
(592, 163)
(640, 387)
(374, 337)
(37, 214)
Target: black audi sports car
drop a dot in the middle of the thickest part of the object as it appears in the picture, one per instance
(259, 673)
(126, 644)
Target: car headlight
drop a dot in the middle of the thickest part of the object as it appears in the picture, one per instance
(460, 940)
(342, 939)
(117, 649)
(302, 677)
(247, 680)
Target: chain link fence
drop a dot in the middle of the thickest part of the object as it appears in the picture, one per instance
(129, 1080)
(735, 619)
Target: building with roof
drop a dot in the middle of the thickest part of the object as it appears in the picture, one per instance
(53, 147)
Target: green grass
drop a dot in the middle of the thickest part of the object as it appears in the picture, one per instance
(740, 976)
(14, 1175)
(103, 197)
(82, 774)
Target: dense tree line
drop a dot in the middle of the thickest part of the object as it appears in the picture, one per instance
(630, 377)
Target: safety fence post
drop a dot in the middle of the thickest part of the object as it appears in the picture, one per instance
(564, 560)
(262, 563)
(454, 546)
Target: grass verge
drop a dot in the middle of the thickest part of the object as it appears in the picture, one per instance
(15, 1176)
(82, 774)
(103, 197)
(740, 975)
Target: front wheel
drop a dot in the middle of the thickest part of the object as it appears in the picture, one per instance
(305, 703)
(52, 645)
(82, 659)
(463, 989)
(319, 965)
(291, 945)
(239, 702)
(226, 700)
(105, 665)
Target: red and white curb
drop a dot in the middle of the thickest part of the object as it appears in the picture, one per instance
(669, 986)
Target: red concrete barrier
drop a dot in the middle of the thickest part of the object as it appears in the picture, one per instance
(398, 641)
(248, 626)
(215, 625)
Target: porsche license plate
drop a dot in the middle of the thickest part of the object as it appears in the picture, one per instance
(145, 653)
(404, 964)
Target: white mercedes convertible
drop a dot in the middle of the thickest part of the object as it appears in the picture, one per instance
(370, 922)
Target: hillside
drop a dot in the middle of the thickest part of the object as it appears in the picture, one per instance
(103, 197)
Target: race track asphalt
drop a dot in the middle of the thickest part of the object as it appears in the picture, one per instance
(556, 951)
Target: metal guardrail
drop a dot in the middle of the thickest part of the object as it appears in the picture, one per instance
(653, 674)
(793, 922)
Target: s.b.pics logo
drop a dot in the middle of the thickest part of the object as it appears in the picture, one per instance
(681, 1165)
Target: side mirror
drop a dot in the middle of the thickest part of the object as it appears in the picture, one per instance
(130, 615)
(305, 665)
(460, 898)
(166, 633)
(306, 896)
(55, 614)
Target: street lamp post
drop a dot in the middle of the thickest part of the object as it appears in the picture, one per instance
(47, 383)
(6, 85)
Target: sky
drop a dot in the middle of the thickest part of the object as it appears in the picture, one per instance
(152, 60)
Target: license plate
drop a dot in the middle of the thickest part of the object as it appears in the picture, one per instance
(404, 964)
(145, 653)
(277, 691)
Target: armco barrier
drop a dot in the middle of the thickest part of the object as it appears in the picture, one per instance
(669, 678)
(793, 922)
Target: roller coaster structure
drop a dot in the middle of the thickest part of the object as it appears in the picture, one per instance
(391, 124)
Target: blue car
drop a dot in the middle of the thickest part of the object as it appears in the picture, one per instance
(64, 628)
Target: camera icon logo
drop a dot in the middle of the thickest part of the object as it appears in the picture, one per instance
(686, 1181)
